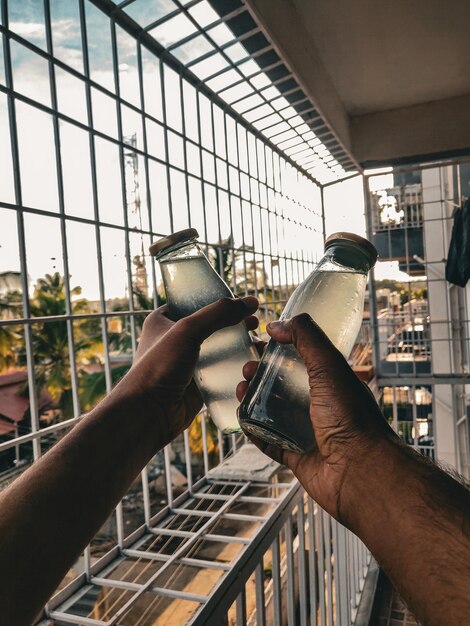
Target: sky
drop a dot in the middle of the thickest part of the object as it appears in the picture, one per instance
(344, 202)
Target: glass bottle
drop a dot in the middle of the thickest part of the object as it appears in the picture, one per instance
(190, 284)
(277, 402)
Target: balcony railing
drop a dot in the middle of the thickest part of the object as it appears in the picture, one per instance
(225, 551)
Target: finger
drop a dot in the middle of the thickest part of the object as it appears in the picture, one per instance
(249, 369)
(284, 457)
(158, 319)
(241, 390)
(260, 345)
(309, 339)
(225, 312)
(251, 322)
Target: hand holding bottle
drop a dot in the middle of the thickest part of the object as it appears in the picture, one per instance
(347, 422)
(168, 351)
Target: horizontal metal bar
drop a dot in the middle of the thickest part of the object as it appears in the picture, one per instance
(40, 433)
(157, 556)
(129, 586)
(171, 532)
(242, 517)
(259, 500)
(227, 538)
(413, 381)
(76, 619)
(21, 321)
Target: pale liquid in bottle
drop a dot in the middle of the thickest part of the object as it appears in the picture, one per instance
(192, 284)
(335, 301)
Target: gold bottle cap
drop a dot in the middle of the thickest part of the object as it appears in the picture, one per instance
(365, 244)
(170, 240)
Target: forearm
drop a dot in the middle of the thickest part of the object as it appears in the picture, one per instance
(48, 516)
(415, 519)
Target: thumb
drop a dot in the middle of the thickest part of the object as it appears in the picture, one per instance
(220, 314)
(320, 356)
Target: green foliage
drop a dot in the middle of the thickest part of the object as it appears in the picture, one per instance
(10, 307)
(50, 341)
(93, 386)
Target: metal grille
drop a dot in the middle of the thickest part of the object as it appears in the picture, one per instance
(421, 321)
(219, 43)
(107, 141)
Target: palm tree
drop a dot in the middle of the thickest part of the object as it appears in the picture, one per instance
(50, 341)
(93, 386)
(10, 338)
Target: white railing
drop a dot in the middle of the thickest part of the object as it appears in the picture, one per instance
(225, 552)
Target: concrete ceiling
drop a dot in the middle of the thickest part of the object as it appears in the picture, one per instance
(391, 77)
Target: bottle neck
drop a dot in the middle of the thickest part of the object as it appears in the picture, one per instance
(345, 256)
(183, 250)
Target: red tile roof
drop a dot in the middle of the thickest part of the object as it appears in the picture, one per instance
(13, 406)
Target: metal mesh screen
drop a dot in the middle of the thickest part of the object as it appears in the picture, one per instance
(421, 320)
(104, 146)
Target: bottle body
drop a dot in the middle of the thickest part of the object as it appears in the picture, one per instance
(190, 284)
(276, 407)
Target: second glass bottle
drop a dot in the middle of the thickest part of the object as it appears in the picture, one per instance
(276, 407)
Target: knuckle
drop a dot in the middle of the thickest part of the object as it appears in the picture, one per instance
(226, 303)
(183, 325)
(317, 373)
(301, 319)
(148, 321)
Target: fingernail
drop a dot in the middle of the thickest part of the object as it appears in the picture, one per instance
(275, 325)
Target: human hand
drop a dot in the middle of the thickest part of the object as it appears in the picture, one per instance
(346, 419)
(161, 376)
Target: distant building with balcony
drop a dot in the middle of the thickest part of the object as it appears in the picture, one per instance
(398, 225)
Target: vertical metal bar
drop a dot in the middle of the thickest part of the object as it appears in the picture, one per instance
(187, 454)
(323, 216)
(414, 410)
(353, 565)
(259, 585)
(232, 240)
(204, 441)
(343, 614)
(237, 130)
(94, 183)
(201, 167)
(290, 574)
(185, 149)
(357, 570)
(277, 592)
(329, 578)
(122, 165)
(372, 283)
(60, 185)
(312, 565)
(301, 564)
(146, 165)
(394, 409)
(220, 440)
(146, 495)
(165, 140)
(28, 338)
(320, 541)
(169, 487)
(241, 608)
